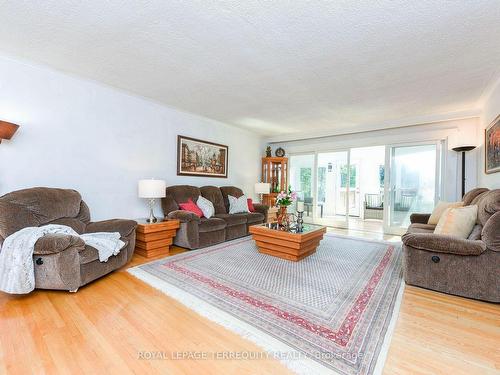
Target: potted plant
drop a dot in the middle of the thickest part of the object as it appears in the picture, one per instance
(283, 200)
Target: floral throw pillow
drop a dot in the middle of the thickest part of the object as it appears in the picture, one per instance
(237, 205)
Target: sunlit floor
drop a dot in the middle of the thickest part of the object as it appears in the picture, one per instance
(354, 223)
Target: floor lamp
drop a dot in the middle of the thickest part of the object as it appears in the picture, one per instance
(463, 150)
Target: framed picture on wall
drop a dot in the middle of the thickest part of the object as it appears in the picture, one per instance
(492, 147)
(201, 158)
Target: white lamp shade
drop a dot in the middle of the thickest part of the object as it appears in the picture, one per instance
(152, 188)
(262, 188)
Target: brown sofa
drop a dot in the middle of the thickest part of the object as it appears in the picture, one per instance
(62, 261)
(464, 267)
(195, 232)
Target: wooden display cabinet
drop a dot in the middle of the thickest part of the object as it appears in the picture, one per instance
(274, 172)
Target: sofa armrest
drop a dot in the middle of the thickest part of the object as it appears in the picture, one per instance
(261, 208)
(491, 232)
(123, 226)
(183, 216)
(56, 243)
(442, 243)
(419, 218)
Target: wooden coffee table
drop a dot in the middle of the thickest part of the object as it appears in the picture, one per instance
(287, 244)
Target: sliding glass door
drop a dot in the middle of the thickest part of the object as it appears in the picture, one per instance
(302, 180)
(334, 183)
(414, 184)
(373, 188)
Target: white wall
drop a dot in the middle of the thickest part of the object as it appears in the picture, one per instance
(454, 132)
(490, 111)
(98, 140)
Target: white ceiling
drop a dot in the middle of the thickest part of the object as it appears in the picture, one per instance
(276, 67)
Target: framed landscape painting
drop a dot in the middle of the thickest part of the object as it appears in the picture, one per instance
(492, 147)
(201, 158)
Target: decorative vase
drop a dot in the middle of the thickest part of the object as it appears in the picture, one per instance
(283, 217)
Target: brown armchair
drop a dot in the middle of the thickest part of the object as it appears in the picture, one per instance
(465, 267)
(62, 261)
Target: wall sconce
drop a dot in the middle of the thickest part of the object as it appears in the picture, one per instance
(7, 130)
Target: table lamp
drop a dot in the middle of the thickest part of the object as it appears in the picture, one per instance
(152, 189)
(262, 188)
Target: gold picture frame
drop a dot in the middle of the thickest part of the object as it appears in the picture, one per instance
(492, 147)
(201, 158)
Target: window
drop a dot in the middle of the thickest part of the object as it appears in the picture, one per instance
(381, 174)
(321, 184)
(343, 176)
(305, 181)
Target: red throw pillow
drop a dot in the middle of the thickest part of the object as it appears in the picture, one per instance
(251, 208)
(191, 207)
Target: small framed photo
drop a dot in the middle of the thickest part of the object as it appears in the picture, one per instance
(492, 147)
(201, 158)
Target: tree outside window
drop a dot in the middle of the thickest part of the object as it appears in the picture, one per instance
(352, 177)
(305, 181)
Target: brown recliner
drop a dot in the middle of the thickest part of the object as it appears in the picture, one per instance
(195, 232)
(61, 261)
(464, 267)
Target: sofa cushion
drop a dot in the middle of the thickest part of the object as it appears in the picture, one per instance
(254, 217)
(238, 205)
(230, 190)
(210, 225)
(75, 224)
(439, 210)
(421, 228)
(181, 193)
(471, 195)
(123, 226)
(47, 204)
(36, 207)
(233, 219)
(214, 195)
(88, 254)
(457, 222)
(190, 206)
(476, 233)
(251, 208)
(168, 204)
(206, 207)
(488, 204)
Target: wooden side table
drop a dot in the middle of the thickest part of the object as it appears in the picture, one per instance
(272, 214)
(153, 239)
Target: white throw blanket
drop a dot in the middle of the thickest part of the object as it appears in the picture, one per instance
(17, 273)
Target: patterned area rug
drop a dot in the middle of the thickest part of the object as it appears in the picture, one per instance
(331, 312)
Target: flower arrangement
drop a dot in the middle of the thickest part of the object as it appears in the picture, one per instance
(285, 199)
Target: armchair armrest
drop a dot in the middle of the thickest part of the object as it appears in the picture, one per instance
(419, 218)
(56, 243)
(123, 226)
(442, 243)
(261, 208)
(183, 216)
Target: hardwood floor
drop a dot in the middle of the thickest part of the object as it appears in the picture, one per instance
(112, 325)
